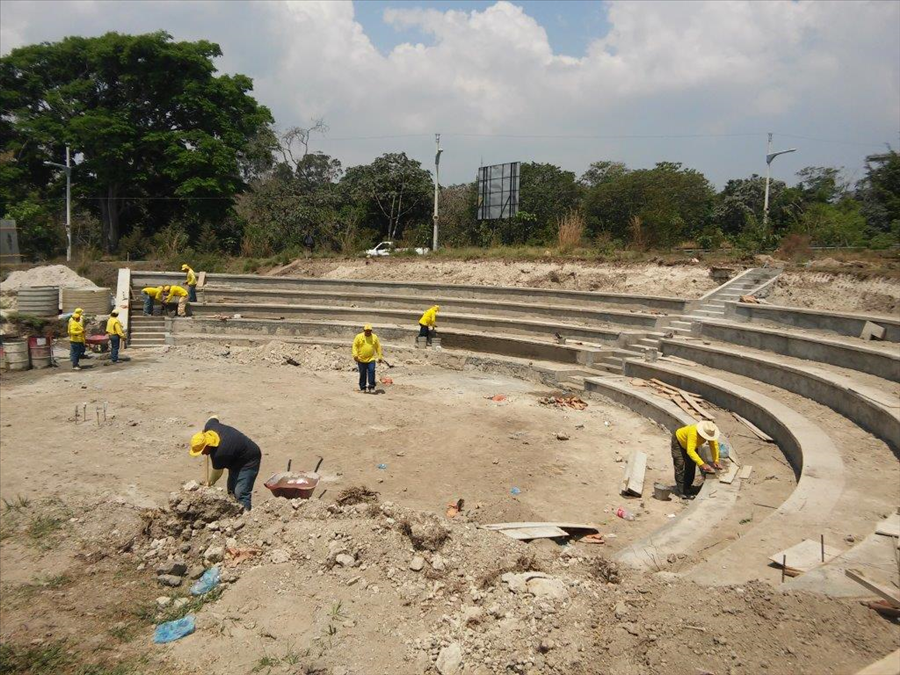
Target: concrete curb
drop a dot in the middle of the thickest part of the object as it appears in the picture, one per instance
(815, 319)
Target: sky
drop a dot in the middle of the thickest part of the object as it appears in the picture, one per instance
(569, 83)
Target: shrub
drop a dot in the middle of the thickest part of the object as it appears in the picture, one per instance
(570, 231)
(795, 247)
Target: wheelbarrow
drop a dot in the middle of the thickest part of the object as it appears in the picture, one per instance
(294, 484)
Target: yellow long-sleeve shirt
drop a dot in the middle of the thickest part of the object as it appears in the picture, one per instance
(690, 440)
(76, 330)
(114, 327)
(366, 349)
(191, 278)
(429, 318)
(176, 292)
(155, 292)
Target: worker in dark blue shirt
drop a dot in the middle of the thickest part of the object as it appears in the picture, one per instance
(229, 449)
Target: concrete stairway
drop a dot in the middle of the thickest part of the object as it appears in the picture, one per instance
(146, 331)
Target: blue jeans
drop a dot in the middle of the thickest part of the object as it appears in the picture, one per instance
(148, 305)
(76, 351)
(192, 293)
(114, 341)
(366, 369)
(240, 483)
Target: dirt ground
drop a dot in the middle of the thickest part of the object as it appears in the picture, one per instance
(836, 292)
(92, 509)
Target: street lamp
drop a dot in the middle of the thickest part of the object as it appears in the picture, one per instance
(769, 157)
(437, 187)
(67, 167)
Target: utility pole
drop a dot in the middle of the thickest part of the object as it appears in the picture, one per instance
(769, 157)
(437, 188)
(67, 167)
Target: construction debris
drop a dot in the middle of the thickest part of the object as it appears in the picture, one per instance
(357, 494)
(529, 531)
(803, 557)
(633, 480)
(872, 331)
(762, 435)
(693, 404)
(890, 526)
(889, 595)
(563, 402)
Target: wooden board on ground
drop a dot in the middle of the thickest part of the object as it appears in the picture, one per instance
(201, 280)
(729, 474)
(889, 665)
(803, 557)
(633, 480)
(890, 526)
(678, 400)
(745, 472)
(638, 382)
(540, 532)
(667, 387)
(573, 527)
(693, 403)
(762, 435)
(888, 594)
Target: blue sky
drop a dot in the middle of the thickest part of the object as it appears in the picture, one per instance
(569, 83)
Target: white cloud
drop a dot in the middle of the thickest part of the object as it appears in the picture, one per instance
(817, 68)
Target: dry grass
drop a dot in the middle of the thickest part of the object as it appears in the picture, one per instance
(356, 494)
(639, 239)
(570, 231)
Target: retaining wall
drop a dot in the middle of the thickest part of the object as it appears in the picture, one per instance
(815, 319)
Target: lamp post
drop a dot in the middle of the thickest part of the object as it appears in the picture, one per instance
(769, 157)
(437, 188)
(67, 167)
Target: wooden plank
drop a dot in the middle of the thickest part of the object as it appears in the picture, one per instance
(638, 382)
(563, 526)
(679, 401)
(633, 480)
(889, 665)
(542, 532)
(882, 592)
(890, 526)
(667, 387)
(691, 402)
(730, 474)
(762, 435)
(805, 556)
(201, 280)
(745, 472)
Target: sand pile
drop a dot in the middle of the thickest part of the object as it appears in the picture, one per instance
(48, 275)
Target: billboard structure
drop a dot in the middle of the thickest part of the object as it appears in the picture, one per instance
(498, 191)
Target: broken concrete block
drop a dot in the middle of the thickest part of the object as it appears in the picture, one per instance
(173, 567)
(169, 580)
(872, 331)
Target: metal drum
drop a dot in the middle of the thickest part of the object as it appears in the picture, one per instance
(17, 354)
(39, 348)
(91, 300)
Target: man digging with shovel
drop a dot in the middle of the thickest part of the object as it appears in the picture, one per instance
(229, 449)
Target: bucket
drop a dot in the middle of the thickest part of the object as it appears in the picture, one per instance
(662, 492)
(17, 355)
(39, 348)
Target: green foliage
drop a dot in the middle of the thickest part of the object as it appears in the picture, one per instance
(671, 202)
(841, 224)
(879, 193)
(41, 233)
(821, 184)
(546, 194)
(147, 117)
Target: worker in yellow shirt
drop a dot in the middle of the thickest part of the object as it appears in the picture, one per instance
(76, 337)
(685, 442)
(151, 293)
(116, 335)
(366, 351)
(190, 281)
(428, 322)
(176, 292)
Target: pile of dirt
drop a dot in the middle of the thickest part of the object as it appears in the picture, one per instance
(688, 281)
(836, 292)
(48, 275)
(422, 594)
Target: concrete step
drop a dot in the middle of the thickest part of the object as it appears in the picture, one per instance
(649, 342)
(147, 329)
(681, 331)
(710, 313)
(680, 324)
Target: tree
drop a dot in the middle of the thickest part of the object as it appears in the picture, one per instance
(821, 184)
(395, 190)
(671, 202)
(744, 198)
(879, 191)
(546, 193)
(147, 117)
(295, 141)
(599, 173)
(316, 170)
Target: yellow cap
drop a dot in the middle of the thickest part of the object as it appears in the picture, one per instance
(115, 312)
(201, 439)
(184, 267)
(368, 326)
(166, 287)
(78, 311)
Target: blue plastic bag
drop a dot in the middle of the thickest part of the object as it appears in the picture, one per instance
(207, 582)
(515, 491)
(174, 630)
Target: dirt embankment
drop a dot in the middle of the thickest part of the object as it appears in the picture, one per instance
(836, 292)
(641, 279)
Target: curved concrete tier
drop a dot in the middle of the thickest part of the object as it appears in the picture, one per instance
(449, 305)
(351, 286)
(809, 450)
(815, 319)
(812, 348)
(448, 321)
(506, 345)
(862, 404)
(693, 523)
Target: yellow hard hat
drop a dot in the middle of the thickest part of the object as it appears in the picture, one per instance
(115, 312)
(184, 267)
(368, 326)
(201, 439)
(166, 287)
(78, 311)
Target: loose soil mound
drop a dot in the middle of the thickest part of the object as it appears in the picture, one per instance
(49, 275)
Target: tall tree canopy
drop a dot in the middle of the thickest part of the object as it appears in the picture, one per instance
(156, 132)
